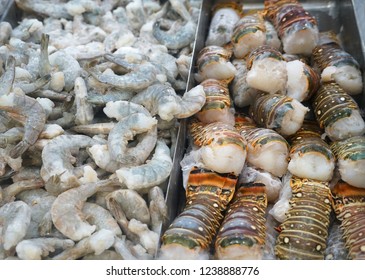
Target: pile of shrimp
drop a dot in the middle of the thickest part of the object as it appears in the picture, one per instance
(280, 123)
(90, 101)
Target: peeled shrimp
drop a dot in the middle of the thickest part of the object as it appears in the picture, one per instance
(15, 219)
(124, 131)
(9, 193)
(23, 106)
(67, 213)
(138, 79)
(102, 218)
(175, 40)
(56, 158)
(155, 171)
(84, 110)
(157, 208)
(163, 100)
(96, 244)
(132, 204)
(147, 238)
(38, 248)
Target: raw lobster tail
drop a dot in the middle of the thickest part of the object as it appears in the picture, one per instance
(207, 196)
(219, 143)
(337, 65)
(267, 149)
(310, 156)
(262, 52)
(213, 62)
(295, 26)
(350, 154)
(218, 102)
(337, 112)
(349, 206)
(248, 34)
(243, 232)
(304, 232)
(281, 113)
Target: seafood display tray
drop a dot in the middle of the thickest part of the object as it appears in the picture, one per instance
(345, 17)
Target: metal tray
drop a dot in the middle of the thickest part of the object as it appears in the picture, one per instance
(345, 17)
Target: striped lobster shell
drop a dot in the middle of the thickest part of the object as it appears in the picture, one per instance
(243, 232)
(207, 196)
(217, 133)
(269, 111)
(262, 52)
(257, 138)
(288, 16)
(349, 206)
(304, 232)
(307, 141)
(331, 103)
(247, 25)
(217, 100)
(350, 154)
(336, 65)
(331, 54)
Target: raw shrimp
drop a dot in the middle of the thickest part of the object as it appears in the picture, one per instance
(106, 255)
(124, 131)
(267, 149)
(84, 110)
(281, 113)
(15, 219)
(148, 239)
(155, 171)
(34, 118)
(121, 247)
(5, 32)
(175, 40)
(67, 213)
(220, 143)
(248, 34)
(94, 128)
(61, 61)
(29, 29)
(96, 244)
(157, 207)
(57, 168)
(122, 109)
(162, 100)
(224, 18)
(131, 203)
(140, 78)
(9, 193)
(38, 248)
(101, 218)
(242, 233)
(101, 155)
(102, 99)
